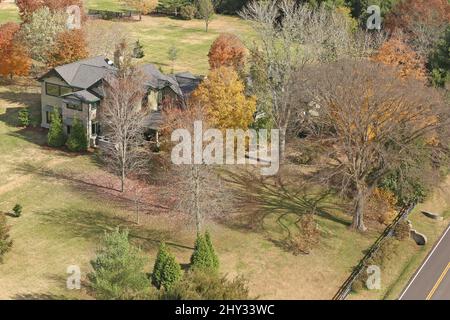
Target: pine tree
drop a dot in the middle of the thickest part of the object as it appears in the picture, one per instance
(212, 252)
(161, 259)
(201, 258)
(77, 140)
(5, 241)
(166, 271)
(171, 273)
(56, 137)
(118, 269)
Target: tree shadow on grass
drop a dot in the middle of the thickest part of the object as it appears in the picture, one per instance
(92, 224)
(272, 206)
(39, 296)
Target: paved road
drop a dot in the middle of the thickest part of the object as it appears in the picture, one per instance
(432, 280)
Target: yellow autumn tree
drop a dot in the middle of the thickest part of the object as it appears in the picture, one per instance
(222, 97)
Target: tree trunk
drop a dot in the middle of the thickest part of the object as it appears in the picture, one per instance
(140, 16)
(282, 143)
(358, 221)
(206, 25)
(122, 179)
(198, 218)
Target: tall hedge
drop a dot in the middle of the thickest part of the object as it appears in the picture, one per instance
(56, 137)
(77, 140)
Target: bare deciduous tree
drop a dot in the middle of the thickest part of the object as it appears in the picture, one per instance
(199, 191)
(123, 120)
(289, 36)
(370, 122)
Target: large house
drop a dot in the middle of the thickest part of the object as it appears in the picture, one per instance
(76, 90)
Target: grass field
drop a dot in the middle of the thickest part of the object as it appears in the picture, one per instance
(397, 272)
(67, 209)
(159, 34)
(8, 12)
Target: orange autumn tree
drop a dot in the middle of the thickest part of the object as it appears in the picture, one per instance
(28, 7)
(70, 46)
(15, 60)
(222, 96)
(227, 50)
(396, 53)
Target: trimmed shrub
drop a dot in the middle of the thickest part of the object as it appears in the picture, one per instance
(5, 241)
(56, 137)
(24, 117)
(138, 50)
(171, 272)
(188, 12)
(212, 252)
(201, 258)
(17, 210)
(200, 285)
(402, 230)
(166, 271)
(77, 140)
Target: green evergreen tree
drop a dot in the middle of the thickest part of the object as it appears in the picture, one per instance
(172, 272)
(158, 267)
(5, 241)
(77, 140)
(166, 270)
(24, 117)
(201, 258)
(212, 252)
(138, 50)
(439, 62)
(56, 137)
(118, 270)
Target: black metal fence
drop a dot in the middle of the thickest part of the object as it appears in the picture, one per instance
(346, 287)
(109, 14)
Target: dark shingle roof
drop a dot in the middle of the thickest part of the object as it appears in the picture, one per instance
(84, 73)
(82, 95)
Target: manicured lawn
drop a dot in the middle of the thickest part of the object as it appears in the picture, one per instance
(8, 13)
(113, 5)
(159, 34)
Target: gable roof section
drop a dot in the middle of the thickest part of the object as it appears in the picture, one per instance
(82, 95)
(84, 73)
